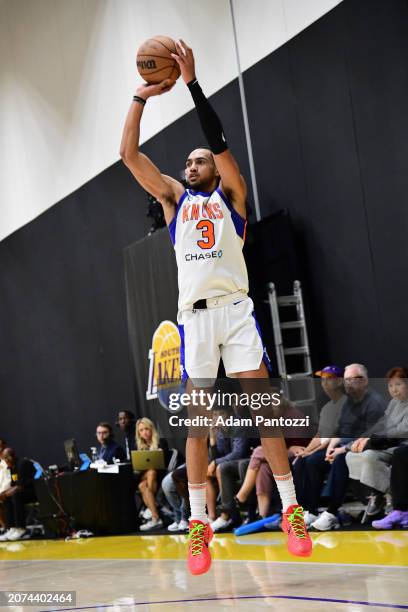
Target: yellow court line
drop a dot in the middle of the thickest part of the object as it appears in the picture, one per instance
(355, 547)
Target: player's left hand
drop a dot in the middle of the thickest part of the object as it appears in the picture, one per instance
(185, 59)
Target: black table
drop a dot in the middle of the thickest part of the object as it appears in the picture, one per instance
(102, 503)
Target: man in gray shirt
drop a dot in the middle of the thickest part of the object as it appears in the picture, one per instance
(364, 406)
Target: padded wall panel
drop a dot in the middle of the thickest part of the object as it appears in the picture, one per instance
(379, 94)
(63, 336)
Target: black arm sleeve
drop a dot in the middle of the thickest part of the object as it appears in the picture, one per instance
(209, 120)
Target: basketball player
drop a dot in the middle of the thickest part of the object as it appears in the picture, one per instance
(207, 225)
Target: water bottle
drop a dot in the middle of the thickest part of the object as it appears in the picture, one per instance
(94, 454)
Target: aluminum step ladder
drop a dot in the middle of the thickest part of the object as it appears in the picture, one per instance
(299, 386)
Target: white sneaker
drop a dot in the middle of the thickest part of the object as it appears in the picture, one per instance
(173, 527)
(152, 524)
(146, 514)
(220, 523)
(183, 525)
(309, 518)
(5, 537)
(17, 534)
(326, 522)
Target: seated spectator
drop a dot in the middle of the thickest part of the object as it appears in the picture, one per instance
(20, 492)
(5, 480)
(147, 438)
(399, 491)
(228, 447)
(176, 499)
(109, 449)
(370, 458)
(332, 385)
(181, 481)
(362, 409)
(126, 424)
(225, 451)
(259, 473)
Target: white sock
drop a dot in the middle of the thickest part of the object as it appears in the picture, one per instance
(286, 489)
(198, 498)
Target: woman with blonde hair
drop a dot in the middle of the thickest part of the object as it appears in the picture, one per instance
(147, 438)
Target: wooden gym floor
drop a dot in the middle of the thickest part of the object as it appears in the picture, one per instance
(349, 571)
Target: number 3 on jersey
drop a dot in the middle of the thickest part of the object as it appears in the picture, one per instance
(207, 233)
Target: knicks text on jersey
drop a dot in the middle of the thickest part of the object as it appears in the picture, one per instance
(208, 235)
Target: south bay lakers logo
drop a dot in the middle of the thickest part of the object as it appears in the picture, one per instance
(164, 357)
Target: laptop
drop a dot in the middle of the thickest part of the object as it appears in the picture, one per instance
(146, 460)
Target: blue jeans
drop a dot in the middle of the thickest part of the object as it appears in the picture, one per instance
(176, 502)
(312, 471)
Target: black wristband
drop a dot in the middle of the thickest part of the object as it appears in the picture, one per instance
(141, 101)
(191, 83)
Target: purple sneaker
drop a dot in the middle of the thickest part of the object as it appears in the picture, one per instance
(396, 518)
(404, 518)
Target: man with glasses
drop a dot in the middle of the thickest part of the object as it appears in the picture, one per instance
(364, 406)
(109, 449)
(362, 409)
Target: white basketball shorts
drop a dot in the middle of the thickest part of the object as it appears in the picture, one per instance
(230, 332)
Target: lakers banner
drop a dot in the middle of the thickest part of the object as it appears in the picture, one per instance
(164, 358)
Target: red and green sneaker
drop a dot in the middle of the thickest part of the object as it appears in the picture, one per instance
(299, 542)
(199, 557)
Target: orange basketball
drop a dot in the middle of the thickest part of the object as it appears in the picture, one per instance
(154, 61)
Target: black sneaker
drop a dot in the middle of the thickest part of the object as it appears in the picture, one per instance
(376, 504)
(234, 510)
(375, 507)
(241, 506)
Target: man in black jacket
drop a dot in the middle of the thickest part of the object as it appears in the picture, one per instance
(20, 492)
(109, 449)
(127, 423)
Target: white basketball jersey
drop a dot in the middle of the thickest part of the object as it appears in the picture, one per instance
(208, 235)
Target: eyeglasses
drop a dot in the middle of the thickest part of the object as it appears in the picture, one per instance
(353, 379)
(104, 431)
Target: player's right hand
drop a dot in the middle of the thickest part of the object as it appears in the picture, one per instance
(185, 59)
(157, 89)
